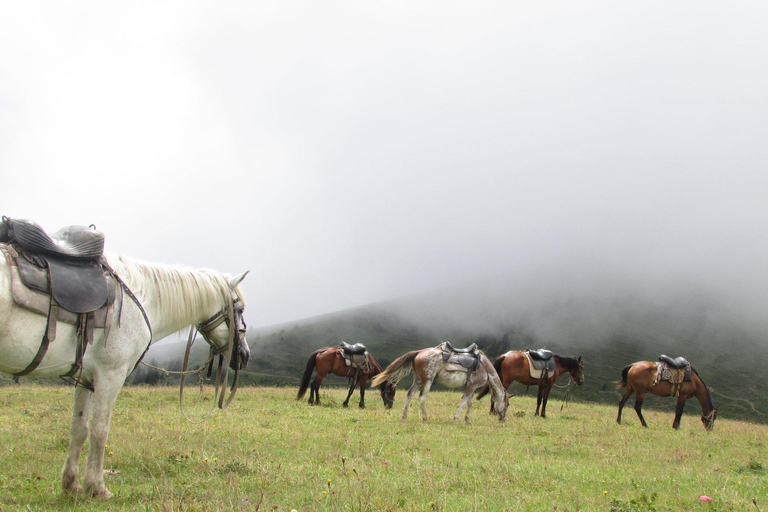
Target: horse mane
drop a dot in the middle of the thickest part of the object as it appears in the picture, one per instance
(569, 363)
(173, 292)
(709, 395)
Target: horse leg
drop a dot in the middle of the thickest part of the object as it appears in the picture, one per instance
(544, 400)
(466, 401)
(351, 390)
(78, 433)
(409, 396)
(106, 387)
(538, 399)
(423, 399)
(639, 407)
(679, 412)
(623, 401)
(314, 391)
(363, 382)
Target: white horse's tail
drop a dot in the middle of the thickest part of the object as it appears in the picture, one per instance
(396, 371)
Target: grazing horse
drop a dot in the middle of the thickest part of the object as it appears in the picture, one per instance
(152, 301)
(514, 366)
(330, 360)
(639, 378)
(429, 365)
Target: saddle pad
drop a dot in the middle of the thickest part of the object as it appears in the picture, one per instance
(538, 368)
(39, 302)
(673, 375)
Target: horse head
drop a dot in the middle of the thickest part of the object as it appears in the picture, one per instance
(225, 330)
(577, 372)
(709, 419)
(388, 390)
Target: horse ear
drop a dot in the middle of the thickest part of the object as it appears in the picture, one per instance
(237, 280)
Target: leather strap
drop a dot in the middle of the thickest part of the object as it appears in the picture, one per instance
(48, 337)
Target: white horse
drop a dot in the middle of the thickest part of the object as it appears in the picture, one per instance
(428, 365)
(171, 297)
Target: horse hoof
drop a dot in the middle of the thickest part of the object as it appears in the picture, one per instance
(345, 404)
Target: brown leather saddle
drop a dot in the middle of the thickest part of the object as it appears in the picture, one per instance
(68, 267)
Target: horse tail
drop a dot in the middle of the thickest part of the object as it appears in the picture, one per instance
(621, 384)
(497, 366)
(307, 374)
(399, 368)
(375, 368)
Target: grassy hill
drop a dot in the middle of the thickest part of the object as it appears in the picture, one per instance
(608, 335)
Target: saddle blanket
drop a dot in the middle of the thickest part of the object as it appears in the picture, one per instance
(540, 373)
(675, 376)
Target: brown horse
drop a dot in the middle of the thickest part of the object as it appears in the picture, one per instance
(513, 366)
(638, 378)
(428, 365)
(329, 360)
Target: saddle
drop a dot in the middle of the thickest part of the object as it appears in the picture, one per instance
(357, 348)
(541, 363)
(675, 371)
(355, 356)
(677, 363)
(468, 357)
(62, 276)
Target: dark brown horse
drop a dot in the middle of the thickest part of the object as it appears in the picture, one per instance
(513, 366)
(329, 360)
(638, 378)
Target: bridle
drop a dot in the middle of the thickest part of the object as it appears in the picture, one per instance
(232, 316)
(709, 419)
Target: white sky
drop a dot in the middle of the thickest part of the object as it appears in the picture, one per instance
(350, 152)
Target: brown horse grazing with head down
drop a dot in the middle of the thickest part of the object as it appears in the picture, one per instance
(329, 360)
(513, 366)
(638, 378)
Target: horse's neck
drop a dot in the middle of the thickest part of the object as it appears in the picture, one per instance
(494, 382)
(168, 312)
(703, 395)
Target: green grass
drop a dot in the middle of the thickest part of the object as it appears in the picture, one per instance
(270, 452)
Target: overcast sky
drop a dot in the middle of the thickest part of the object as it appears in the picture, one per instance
(351, 152)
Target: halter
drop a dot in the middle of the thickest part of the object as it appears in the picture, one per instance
(709, 419)
(233, 317)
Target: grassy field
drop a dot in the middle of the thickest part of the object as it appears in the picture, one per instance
(270, 452)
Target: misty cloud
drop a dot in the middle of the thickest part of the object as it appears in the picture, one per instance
(349, 153)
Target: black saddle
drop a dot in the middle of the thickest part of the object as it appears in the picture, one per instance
(543, 359)
(542, 354)
(72, 242)
(357, 348)
(468, 357)
(468, 350)
(64, 265)
(677, 363)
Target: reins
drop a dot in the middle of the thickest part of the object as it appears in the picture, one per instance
(226, 315)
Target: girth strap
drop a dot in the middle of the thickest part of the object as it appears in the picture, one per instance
(48, 337)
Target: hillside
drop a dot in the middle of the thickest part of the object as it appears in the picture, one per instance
(608, 335)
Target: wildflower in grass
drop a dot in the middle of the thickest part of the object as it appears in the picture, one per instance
(205, 459)
(215, 459)
(705, 498)
(605, 492)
